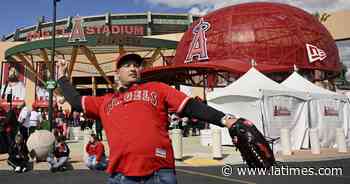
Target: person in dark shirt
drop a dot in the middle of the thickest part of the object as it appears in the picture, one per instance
(11, 126)
(98, 128)
(18, 155)
(59, 158)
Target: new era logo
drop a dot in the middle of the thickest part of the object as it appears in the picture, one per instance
(315, 54)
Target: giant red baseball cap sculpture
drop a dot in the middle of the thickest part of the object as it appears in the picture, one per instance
(224, 42)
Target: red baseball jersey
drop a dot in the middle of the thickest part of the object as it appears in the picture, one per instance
(96, 149)
(136, 125)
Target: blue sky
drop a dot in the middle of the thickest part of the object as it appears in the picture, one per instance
(19, 13)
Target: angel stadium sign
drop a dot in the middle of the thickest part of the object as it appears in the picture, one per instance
(78, 31)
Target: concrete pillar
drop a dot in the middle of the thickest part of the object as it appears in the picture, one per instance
(318, 75)
(114, 67)
(176, 139)
(206, 137)
(341, 140)
(285, 141)
(315, 142)
(30, 89)
(149, 22)
(76, 134)
(216, 144)
(190, 19)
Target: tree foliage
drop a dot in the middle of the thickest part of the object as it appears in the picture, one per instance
(322, 16)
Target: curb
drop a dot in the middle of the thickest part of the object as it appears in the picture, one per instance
(339, 157)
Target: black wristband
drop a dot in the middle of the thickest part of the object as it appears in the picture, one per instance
(201, 111)
(70, 93)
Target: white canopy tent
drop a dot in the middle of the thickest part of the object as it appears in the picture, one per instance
(266, 103)
(328, 110)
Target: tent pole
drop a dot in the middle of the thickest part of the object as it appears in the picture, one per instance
(263, 117)
(205, 83)
(309, 121)
(205, 97)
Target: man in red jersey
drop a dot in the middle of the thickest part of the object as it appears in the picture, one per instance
(136, 122)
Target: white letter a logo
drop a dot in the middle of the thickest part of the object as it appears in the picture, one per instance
(198, 45)
(77, 33)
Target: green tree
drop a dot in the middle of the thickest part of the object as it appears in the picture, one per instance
(342, 75)
(322, 16)
(341, 80)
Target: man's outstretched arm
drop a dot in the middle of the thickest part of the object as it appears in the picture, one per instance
(70, 93)
(201, 111)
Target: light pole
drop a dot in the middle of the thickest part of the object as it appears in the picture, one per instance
(52, 74)
(9, 99)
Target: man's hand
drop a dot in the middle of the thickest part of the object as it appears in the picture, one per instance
(230, 122)
(62, 67)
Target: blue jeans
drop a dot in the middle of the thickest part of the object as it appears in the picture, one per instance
(163, 176)
(91, 163)
(56, 163)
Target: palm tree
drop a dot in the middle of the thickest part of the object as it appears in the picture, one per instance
(322, 16)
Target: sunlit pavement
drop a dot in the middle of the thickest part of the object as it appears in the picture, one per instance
(202, 175)
(197, 167)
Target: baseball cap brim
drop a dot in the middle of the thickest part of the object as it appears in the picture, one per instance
(129, 57)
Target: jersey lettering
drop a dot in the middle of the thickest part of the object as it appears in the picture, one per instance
(154, 98)
(128, 97)
(137, 95)
(145, 96)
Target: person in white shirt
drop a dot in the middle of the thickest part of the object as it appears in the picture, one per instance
(184, 126)
(174, 121)
(23, 119)
(35, 120)
(42, 93)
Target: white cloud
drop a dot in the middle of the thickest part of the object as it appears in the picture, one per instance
(200, 6)
(180, 3)
(198, 11)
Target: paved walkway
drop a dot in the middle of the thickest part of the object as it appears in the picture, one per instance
(195, 155)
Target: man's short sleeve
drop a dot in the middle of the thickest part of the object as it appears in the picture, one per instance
(91, 106)
(175, 99)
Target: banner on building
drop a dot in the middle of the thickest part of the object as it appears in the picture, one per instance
(13, 81)
(42, 94)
